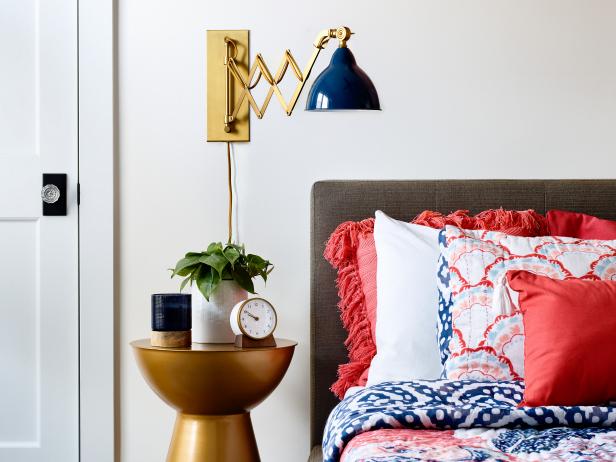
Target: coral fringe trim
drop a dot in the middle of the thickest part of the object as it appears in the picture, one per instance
(341, 253)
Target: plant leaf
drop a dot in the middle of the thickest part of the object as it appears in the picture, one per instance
(264, 273)
(227, 274)
(254, 264)
(214, 246)
(207, 281)
(255, 260)
(188, 270)
(231, 254)
(184, 282)
(258, 266)
(216, 261)
(241, 276)
(183, 264)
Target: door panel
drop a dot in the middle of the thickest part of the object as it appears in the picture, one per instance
(39, 418)
(18, 49)
(18, 334)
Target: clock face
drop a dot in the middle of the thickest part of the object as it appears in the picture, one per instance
(257, 318)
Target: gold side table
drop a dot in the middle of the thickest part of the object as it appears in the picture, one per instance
(213, 387)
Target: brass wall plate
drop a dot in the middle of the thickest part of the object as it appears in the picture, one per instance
(216, 85)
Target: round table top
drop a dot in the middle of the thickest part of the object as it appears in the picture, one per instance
(212, 347)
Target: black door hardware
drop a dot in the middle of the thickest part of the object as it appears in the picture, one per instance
(53, 194)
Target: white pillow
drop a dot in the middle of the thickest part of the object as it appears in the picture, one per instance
(407, 302)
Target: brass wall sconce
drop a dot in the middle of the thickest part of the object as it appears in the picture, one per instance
(342, 85)
(230, 79)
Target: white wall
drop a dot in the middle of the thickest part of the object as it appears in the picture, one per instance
(475, 89)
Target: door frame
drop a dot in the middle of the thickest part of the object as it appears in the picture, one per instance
(98, 349)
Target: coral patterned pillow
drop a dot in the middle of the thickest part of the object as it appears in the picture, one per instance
(487, 329)
(351, 251)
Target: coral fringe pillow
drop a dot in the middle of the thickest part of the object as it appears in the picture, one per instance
(569, 346)
(351, 251)
(580, 225)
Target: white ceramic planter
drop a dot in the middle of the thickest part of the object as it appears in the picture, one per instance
(210, 320)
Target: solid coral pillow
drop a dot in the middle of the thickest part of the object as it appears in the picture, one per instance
(580, 225)
(351, 251)
(569, 346)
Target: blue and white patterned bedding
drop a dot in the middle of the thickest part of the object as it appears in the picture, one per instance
(542, 433)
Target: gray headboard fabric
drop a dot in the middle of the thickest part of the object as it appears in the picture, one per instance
(334, 202)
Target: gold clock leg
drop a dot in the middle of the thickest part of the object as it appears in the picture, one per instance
(213, 438)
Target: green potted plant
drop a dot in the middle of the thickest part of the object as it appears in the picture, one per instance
(220, 276)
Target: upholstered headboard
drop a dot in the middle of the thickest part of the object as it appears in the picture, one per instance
(334, 202)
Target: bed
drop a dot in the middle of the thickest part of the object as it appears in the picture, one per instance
(336, 201)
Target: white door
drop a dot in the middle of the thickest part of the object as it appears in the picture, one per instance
(39, 413)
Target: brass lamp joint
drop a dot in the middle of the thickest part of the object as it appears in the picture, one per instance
(343, 34)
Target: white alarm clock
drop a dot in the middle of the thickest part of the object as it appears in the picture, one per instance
(256, 319)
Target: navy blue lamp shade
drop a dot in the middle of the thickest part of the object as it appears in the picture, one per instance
(342, 85)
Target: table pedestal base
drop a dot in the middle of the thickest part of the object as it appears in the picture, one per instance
(215, 438)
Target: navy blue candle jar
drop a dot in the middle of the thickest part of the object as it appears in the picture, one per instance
(171, 312)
